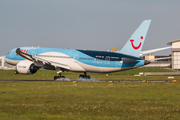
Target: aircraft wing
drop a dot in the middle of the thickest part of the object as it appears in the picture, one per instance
(38, 60)
(153, 50)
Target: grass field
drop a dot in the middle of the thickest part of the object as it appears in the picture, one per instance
(54, 100)
(89, 100)
(122, 75)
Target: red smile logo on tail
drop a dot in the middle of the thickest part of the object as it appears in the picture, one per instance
(136, 48)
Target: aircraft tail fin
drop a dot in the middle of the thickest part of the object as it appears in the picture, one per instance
(134, 44)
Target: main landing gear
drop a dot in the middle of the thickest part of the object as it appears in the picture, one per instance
(85, 76)
(59, 77)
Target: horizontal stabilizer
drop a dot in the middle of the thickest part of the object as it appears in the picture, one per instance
(153, 50)
(151, 60)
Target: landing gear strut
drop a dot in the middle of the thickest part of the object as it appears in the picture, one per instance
(58, 70)
(85, 76)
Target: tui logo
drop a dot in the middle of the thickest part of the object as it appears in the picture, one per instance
(136, 47)
(25, 51)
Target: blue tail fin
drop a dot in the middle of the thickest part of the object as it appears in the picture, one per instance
(134, 44)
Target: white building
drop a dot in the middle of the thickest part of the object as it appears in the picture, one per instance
(2, 61)
(164, 63)
(175, 53)
(4, 65)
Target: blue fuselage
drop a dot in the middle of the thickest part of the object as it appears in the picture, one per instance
(88, 60)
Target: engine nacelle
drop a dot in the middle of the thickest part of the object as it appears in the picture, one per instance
(26, 67)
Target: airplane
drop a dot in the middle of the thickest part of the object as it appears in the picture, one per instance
(30, 59)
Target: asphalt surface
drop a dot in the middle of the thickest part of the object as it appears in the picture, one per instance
(84, 80)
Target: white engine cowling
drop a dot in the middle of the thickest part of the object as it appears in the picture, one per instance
(26, 67)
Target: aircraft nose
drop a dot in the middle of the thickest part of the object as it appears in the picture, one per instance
(5, 59)
(7, 56)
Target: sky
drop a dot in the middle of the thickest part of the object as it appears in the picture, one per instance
(92, 24)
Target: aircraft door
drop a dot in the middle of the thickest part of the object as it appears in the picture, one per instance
(107, 60)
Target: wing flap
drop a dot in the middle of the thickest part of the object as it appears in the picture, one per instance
(60, 65)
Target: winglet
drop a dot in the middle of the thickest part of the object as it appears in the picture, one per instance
(24, 55)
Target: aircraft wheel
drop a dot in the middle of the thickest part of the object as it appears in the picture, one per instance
(55, 77)
(88, 77)
(85, 77)
(81, 77)
(16, 72)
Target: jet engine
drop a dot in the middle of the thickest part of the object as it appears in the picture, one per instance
(26, 67)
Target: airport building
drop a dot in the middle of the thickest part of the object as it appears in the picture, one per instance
(2, 60)
(175, 51)
(4, 65)
(164, 63)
